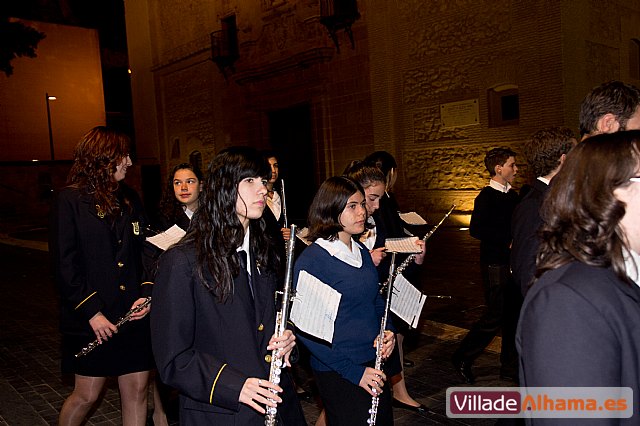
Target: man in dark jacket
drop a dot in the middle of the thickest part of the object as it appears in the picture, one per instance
(545, 152)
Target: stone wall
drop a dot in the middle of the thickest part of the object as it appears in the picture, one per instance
(411, 57)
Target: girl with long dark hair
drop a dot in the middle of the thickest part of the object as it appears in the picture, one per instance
(579, 321)
(214, 310)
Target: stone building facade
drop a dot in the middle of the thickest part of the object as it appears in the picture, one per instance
(436, 83)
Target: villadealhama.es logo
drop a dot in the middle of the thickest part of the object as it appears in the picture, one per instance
(542, 402)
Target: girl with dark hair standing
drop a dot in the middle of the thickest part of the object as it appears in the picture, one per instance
(180, 199)
(214, 311)
(96, 245)
(387, 224)
(177, 207)
(344, 370)
(579, 322)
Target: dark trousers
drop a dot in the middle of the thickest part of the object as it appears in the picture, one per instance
(346, 404)
(503, 302)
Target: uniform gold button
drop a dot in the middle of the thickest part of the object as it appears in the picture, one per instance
(122, 287)
(261, 327)
(120, 264)
(267, 358)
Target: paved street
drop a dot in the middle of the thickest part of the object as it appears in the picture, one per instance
(32, 389)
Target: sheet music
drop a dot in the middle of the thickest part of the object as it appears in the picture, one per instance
(315, 307)
(302, 235)
(407, 301)
(412, 218)
(402, 245)
(166, 239)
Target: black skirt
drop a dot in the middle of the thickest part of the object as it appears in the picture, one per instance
(128, 351)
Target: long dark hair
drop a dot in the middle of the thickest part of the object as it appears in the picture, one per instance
(96, 158)
(170, 207)
(327, 205)
(581, 214)
(216, 230)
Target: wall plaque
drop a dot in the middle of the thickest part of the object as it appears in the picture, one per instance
(458, 114)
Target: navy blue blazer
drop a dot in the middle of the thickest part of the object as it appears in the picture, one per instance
(525, 223)
(580, 326)
(207, 350)
(98, 262)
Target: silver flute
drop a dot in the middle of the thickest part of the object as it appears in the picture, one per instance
(373, 411)
(400, 269)
(282, 316)
(118, 324)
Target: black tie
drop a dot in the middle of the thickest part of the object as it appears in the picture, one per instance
(242, 257)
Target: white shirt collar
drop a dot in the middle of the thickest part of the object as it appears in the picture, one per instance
(188, 212)
(339, 250)
(275, 204)
(631, 265)
(245, 247)
(544, 180)
(499, 187)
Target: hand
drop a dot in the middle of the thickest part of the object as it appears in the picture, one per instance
(377, 255)
(284, 343)
(420, 256)
(286, 233)
(256, 391)
(143, 312)
(388, 343)
(372, 381)
(102, 327)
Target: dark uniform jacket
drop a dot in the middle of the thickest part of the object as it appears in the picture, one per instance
(97, 262)
(207, 349)
(525, 224)
(580, 326)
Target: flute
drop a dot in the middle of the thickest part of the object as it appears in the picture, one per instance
(410, 259)
(124, 319)
(281, 325)
(373, 411)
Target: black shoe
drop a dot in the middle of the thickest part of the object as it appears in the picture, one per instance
(464, 368)
(408, 363)
(421, 409)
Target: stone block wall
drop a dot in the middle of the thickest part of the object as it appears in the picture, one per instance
(410, 58)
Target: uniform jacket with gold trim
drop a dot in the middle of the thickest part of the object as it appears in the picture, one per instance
(97, 262)
(207, 349)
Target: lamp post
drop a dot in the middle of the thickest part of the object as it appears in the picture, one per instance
(48, 98)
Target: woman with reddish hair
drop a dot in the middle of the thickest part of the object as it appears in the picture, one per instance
(96, 244)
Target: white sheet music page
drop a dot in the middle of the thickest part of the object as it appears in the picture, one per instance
(166, 239)
(412, 218)
(407, 301)
(315, 307)
(402, 245)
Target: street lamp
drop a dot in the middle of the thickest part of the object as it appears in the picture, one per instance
(48, 98)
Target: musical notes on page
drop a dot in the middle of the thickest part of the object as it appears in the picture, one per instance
(166, 239)
(315, 307)
(402, 245)
(407, 301)
(412, 218)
